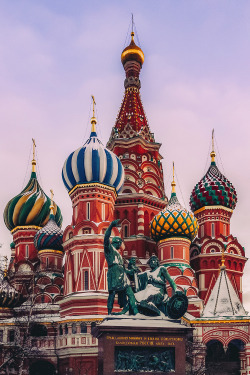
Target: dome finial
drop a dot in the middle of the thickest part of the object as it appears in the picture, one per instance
(213, 154)
(93, 118)
(173, 183)
(33, 162)
(52, 203)
(132, 32)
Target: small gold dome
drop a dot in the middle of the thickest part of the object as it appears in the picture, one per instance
(132, 52)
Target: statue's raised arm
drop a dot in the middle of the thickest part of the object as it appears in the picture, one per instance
(117, 278)
(107, 235)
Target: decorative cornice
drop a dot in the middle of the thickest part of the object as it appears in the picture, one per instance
(91, 185)
(213, 208)
(26, 227)
(175, 239)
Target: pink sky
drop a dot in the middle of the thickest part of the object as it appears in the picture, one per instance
(196, 77)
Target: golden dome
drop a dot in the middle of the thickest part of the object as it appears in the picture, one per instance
(132, 52)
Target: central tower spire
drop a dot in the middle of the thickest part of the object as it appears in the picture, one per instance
(132, 141)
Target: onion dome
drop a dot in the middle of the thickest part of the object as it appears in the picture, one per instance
(50, 236)
(31, 207)
(214, 189)
(173, 221)
(132, 52)
(12, 245)
(93, 163)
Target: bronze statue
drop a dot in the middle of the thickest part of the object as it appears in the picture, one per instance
(153, 298)
(117, 278)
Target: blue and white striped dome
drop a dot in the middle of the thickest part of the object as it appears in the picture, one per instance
(93, 163)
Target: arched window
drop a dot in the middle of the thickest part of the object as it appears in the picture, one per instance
(202, 230)
(74, 328)
(212, 230)
(86, 280)
(93, 325)
(27, 251)
(83, 327)
(103, 212)
(88, 211)
(60, 330)
(66, 330)
(172, 252)
(125, 230)
(70, 234)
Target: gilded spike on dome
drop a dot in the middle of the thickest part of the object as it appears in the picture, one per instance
(173, 184)
(33, 162)
(213, 154)
(93, 118)
(52, 203)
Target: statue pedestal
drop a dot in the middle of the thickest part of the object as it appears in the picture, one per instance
(141, 345)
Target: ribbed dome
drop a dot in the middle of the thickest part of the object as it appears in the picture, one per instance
(214, 189)
(174, 221)
(93, 163)
(30, 207)
(132, 52)
(50, 236)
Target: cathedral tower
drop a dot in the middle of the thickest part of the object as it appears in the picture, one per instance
(24, 215)
(213, 200)
(93, 176)
(131, 140)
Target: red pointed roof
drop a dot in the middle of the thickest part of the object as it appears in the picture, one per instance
(131, 121)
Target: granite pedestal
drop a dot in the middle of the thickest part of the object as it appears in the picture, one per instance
(138, 345)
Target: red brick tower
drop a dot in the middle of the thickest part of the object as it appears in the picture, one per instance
(213, 200)
(143, 193)
(93, 176)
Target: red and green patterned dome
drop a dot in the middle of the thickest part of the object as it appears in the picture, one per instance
(173, 221)
(214, 189)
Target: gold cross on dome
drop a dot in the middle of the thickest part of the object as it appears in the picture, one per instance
(94, 103)
(34, 148)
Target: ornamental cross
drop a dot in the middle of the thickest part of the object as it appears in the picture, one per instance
(34, 148)
(94, 103)
(213, 140)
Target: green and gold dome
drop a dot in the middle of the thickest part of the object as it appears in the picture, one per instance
(31, 207)
(173, 221)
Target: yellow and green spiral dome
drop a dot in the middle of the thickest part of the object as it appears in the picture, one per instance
(31, 207)
(174, 221)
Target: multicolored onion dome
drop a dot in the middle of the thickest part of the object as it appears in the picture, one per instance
(93, 163)
(174, 221)
(214, 189)
(132, 52)
(30, 207)
(50, 236)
